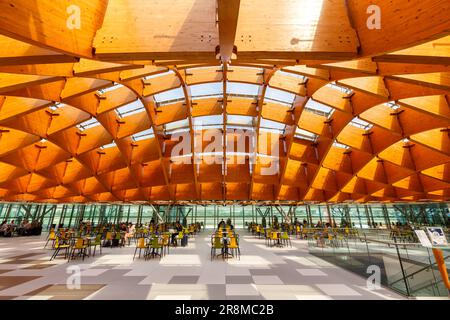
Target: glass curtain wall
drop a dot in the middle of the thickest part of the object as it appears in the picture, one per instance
(356, 215)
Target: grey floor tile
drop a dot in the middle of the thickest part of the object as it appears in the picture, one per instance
(238, 279)
(184, 280)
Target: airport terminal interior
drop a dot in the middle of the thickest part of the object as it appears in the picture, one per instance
(224, 149)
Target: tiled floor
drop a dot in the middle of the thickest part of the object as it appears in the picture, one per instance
(186, 273)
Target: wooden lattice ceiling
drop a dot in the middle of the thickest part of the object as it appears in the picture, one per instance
(361, 114)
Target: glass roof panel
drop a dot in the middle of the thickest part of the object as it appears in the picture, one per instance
(207, 121)
(268, 125)
(357, 122)
(131, 108)
(213, 89)
(247, 89)
(340, 145)
(169, 96)
(143, 135)
(112, 88)
(340, 88)
(109, 145)
(158, 75)
(88, 124)
(318, 108)
(239, 120)
(279, 96)
(176, 125)
(291, 74)
(303, 134)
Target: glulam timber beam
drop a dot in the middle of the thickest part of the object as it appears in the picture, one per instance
(188, 105)
(176, 30)
(268, 74)
(298, 30)
(66, 27)
(296, 111)
(224, 129)
(399, 25)
(228, 13)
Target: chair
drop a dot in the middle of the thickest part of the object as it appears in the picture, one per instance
(274, 237)
(108, 237)
(155, 246)
(80, 246)
(267, 236)
(140, 245)
(234, 246)
(128, 237)
(297, 231)
(286, 239)
(58, 245)
(191, 230)
(216, 243)
(51, 237)
(97, 242)
(180, 235)
(166, 242)
(120, 240)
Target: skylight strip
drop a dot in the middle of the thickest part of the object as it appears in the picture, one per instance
(93, 122)
(152, 76)
(342, 89)
(109, 145)
(340, 145)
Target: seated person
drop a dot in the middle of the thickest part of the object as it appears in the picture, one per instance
(178, 228)
(28, 228)
(3, 228)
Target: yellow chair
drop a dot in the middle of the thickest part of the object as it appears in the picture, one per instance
(165, 242)
(80, 246)
(108, 237)
(51, 237)
(258, 231)
(140, 245)
(58, 245)
(216, 244)
(191, 230)
(274, 237)
(97, 242)
(234, 246)
(156, 246)
(286, 239)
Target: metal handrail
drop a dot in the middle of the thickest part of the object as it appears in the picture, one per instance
(428, 285)
(420, 270)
